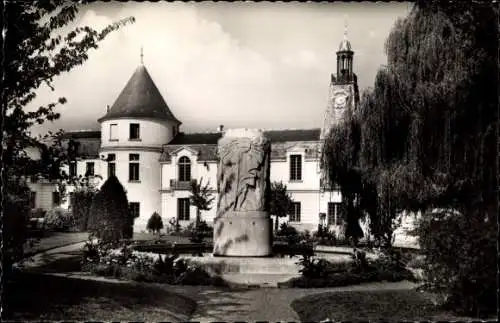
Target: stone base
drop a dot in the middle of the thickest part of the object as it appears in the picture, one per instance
(243, 234)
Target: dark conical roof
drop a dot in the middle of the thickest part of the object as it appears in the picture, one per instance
(140, 99)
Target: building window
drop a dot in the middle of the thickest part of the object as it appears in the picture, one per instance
(184, 169)
(32, 200)
(90, 169)
(295, 212)
(133, 167)
(183, 209)
(135, 208)
(334, 217)
(72, 169)
(113, 132)
(111, 165)
(295, 167)
(134, 131)
(56, 198)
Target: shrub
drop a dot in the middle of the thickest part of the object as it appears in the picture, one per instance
(289, 233)
(460, 260)
(81, 202)
(313, 267)
(122, 262)
(324, 236)
(59, 219)
(15, 219)
(197, 235)
(155, 223)
(110, 218)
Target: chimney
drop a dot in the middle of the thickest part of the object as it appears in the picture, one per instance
(220, 128)
(107, 108)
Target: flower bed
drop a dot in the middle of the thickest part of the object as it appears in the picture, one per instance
(125, 263)
(317, 272)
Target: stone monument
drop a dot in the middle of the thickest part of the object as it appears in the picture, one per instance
(242, 226)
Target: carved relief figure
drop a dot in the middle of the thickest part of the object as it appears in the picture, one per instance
(241, 178)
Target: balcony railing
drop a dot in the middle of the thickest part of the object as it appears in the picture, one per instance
(177, 185)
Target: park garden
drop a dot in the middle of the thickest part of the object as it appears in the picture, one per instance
(424, 141)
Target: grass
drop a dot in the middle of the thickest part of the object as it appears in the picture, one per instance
(56, 239)
(32, 296)
(393, 305)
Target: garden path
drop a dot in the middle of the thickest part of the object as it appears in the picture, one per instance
(224, 304)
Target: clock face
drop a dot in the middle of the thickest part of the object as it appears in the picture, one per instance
(340, 100)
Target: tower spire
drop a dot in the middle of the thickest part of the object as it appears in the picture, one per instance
(142, 56)
(345, 27)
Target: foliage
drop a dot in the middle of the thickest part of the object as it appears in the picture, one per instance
(120, 261)
(59, 219)
(280, 202)
(15, 219)
(424, 136)
(201, 197)
(460, 260)
(35, 53)
(80, 203)
(289, 233)
(110, 218)
(318, 273)
(197, 235)
(313, 267)
(324, 236)
(155, 223)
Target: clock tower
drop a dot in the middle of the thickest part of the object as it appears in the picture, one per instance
(343, 100)
(343, 96)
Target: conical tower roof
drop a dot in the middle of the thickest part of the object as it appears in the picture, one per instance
(140, 99)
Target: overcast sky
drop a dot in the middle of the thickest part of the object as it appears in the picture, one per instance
(253, 65)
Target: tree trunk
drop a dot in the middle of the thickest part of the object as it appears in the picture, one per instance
(276, 224)
(198, 218)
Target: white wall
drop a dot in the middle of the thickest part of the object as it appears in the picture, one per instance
(43, 199)
(152, 133)
(147, 190)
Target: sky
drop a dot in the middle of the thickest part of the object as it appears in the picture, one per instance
(241, 65)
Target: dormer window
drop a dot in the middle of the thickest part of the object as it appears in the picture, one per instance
(134, 131)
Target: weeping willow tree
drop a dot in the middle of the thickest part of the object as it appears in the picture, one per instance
(425, 133)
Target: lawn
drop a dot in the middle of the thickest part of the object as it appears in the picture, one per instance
(31, 296)
(56, 239)
(393, 305)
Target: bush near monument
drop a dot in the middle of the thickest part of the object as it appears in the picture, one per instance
(155, 223)
(110, 218)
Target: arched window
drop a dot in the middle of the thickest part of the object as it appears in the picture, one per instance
(184, 169)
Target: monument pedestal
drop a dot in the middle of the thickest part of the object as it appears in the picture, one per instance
(243, 234)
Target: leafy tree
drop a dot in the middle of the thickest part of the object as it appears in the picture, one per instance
(35, 53)
(81, 201)
(201, 197)
(155, 223)
(428, 132)
(280, 202)
(110, 218)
